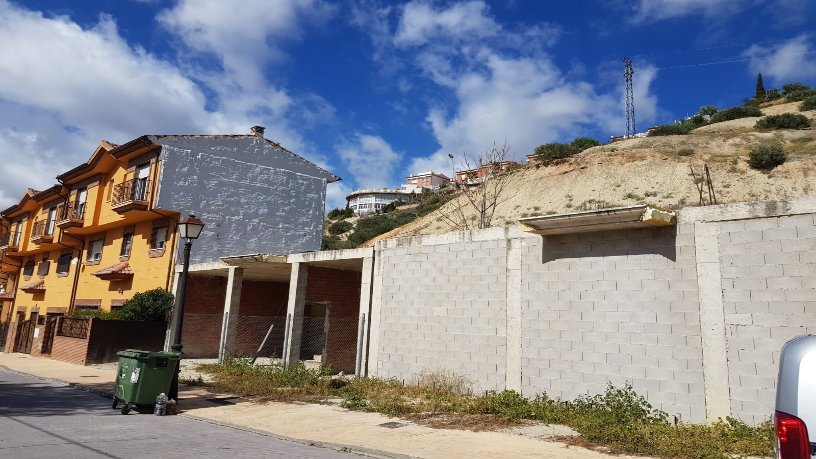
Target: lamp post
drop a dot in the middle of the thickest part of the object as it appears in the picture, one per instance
(189, 229)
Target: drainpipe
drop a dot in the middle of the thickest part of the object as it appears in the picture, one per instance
(81, 249)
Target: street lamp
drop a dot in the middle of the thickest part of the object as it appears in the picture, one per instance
(189, 229)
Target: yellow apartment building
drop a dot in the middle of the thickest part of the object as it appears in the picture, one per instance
(107, 230)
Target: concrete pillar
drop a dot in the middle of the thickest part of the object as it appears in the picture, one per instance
(360, 367)
(294, 313)
(374, 317)
(171, 324)
(712, 320)
(232, 303)
(513, 368)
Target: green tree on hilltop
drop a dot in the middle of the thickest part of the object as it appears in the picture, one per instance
(760, 88)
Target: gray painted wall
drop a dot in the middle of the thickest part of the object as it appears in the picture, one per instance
(693, 316)
(253, 196)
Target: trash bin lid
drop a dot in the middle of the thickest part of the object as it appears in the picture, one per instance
(166, 355)
(133, 354)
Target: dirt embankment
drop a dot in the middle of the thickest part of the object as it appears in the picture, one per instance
(650, 170)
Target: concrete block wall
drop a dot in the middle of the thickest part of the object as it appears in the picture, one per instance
(614, 307)
(768, 268)
(443, 306)
(693, 316)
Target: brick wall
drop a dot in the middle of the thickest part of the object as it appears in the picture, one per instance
(768, 271)
(203, 311)
(617, 307)
(262, 303)
(106, 338)
(340, 289)
(71, 350)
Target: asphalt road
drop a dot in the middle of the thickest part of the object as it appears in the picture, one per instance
(46, 419)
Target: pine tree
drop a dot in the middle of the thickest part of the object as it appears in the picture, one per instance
(760, 88)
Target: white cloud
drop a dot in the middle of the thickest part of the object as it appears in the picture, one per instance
(786, 62)
(370, 160)
(244, 36)
(336, 195)
(655, 10)
(421, 22)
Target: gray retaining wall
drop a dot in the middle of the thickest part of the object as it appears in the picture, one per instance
(693, 316)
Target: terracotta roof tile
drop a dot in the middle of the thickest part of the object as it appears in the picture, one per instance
(118, 271)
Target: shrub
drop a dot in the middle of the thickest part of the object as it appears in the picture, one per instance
(708, 110)
(791, 88)
(150, 305)
(808, 104)
(340, 227)
(783, 121)
(734, 113)
(670, 129)
(797, 91)
(685, 152)
(550, 152)
(766, 156)
(582, 143)
(334, 214)
(772, 94)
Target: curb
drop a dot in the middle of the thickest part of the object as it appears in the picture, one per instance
(358, 450)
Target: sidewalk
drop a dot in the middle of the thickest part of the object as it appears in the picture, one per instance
(325, 425)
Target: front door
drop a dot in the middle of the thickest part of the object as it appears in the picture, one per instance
(49, 332)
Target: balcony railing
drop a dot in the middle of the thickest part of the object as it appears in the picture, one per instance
(130, 195)
(71, 215)
(43, 231)
(9, 241)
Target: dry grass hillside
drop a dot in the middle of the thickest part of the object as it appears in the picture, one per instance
(649, 170)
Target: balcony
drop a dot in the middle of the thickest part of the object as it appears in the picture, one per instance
(10, 242)
(71, 215)
(130, 195)
(43, 232)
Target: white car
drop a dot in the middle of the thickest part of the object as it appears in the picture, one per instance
(795, 415)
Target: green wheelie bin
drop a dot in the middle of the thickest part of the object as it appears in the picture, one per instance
(142, 376)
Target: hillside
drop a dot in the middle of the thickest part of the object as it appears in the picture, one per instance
(649, 170)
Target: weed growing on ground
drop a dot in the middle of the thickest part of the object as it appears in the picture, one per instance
(618, 419)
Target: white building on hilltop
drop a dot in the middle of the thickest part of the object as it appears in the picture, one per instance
(369, 200)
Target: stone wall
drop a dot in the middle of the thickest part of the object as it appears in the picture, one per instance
(693, 316)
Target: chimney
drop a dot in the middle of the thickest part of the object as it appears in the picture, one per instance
(257, 131)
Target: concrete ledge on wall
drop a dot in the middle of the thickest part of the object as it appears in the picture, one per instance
(454, 237)
(746, 210)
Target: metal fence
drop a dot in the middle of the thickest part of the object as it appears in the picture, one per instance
(72, 327)
(330, 341)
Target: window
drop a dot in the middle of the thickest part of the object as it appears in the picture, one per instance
(127, 243)
(28, 269)
(44, 266)
(140, 182)
(49, 223)
(79, 203)
(64, 264)
(158, 238)
(95, 251)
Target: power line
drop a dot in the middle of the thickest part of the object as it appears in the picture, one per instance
(732, 61)
(709, 48)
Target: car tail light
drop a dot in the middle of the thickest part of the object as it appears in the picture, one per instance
(791, 436)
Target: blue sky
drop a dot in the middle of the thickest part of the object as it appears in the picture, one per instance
(373, 90)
